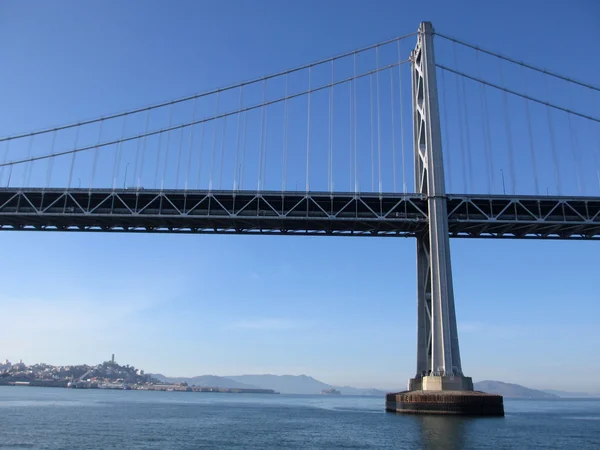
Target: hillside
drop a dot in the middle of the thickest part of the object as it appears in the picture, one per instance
(205, 380)
(509, 390)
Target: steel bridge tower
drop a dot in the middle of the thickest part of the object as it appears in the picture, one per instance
(438, 355)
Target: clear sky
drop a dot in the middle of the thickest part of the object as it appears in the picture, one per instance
(339, 309)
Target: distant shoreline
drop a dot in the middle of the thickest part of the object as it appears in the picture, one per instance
(156, 388)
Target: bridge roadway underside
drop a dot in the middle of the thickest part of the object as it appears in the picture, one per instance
(295, 213)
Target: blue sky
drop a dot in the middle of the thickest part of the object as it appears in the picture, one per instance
(342, 310)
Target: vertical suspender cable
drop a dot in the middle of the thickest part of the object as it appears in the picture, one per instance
(555, 160)
(237, 139)
(72, 159)
(222, 151)
(285, 137)
(446, 146)
(262, 137)
(118, 155)
(141, 144)
(263, 177)
(200, 147)
(4, 158)
(378, 122)
(214, 147)
(404, 187)
(507, 129)
(487, 142)
(354, 126)
(393, 129)
(242, 165)
(463, 156)
(531, 143)
(28, 168)
(372, 133)
(158, 149)
(190, 147)
(575, 156)
(330, 158)
(466, 143)
(308, 132)
(178, 167)
(95, 159)
(50, 161)
(164, 176)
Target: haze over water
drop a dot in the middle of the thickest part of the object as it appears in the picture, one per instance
(73, 419)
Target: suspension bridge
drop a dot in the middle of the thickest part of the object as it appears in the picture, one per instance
(347, 146)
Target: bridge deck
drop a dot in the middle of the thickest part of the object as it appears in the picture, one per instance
(295, 213)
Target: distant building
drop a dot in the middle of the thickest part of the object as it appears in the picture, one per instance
(112, 360)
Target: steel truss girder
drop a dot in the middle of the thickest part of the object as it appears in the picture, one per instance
(343, 214)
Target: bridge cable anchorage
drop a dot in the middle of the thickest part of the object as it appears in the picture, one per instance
(464, 137)
(95, 160)
(445, 145)
(531, 142)
(190, 147)
(207, 93)
(487, 141)
(553, 148)
(237, 140)
(508, 131)
(308, 132)
(214, 148)
(285, 137)
(519, 94)
(393, 128)
(404, 185)
(378, 124)
(200, 152)
(575, 158)
(190, 124)
(520, 63)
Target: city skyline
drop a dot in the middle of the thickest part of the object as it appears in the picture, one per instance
(340, 310)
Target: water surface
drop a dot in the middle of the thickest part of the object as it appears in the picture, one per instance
(52, 418)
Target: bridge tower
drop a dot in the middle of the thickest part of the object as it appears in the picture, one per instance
(438, 355)
(439, 385)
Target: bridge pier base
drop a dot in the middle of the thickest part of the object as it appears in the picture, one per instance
(465, 403)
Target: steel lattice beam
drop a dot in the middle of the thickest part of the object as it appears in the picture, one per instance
(343, 214)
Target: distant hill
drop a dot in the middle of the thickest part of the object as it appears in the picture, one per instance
(509, 390)
(565, 394)
(299, 384)
(285, 384)
(204, 380)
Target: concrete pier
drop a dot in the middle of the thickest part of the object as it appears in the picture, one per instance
(468, 403)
